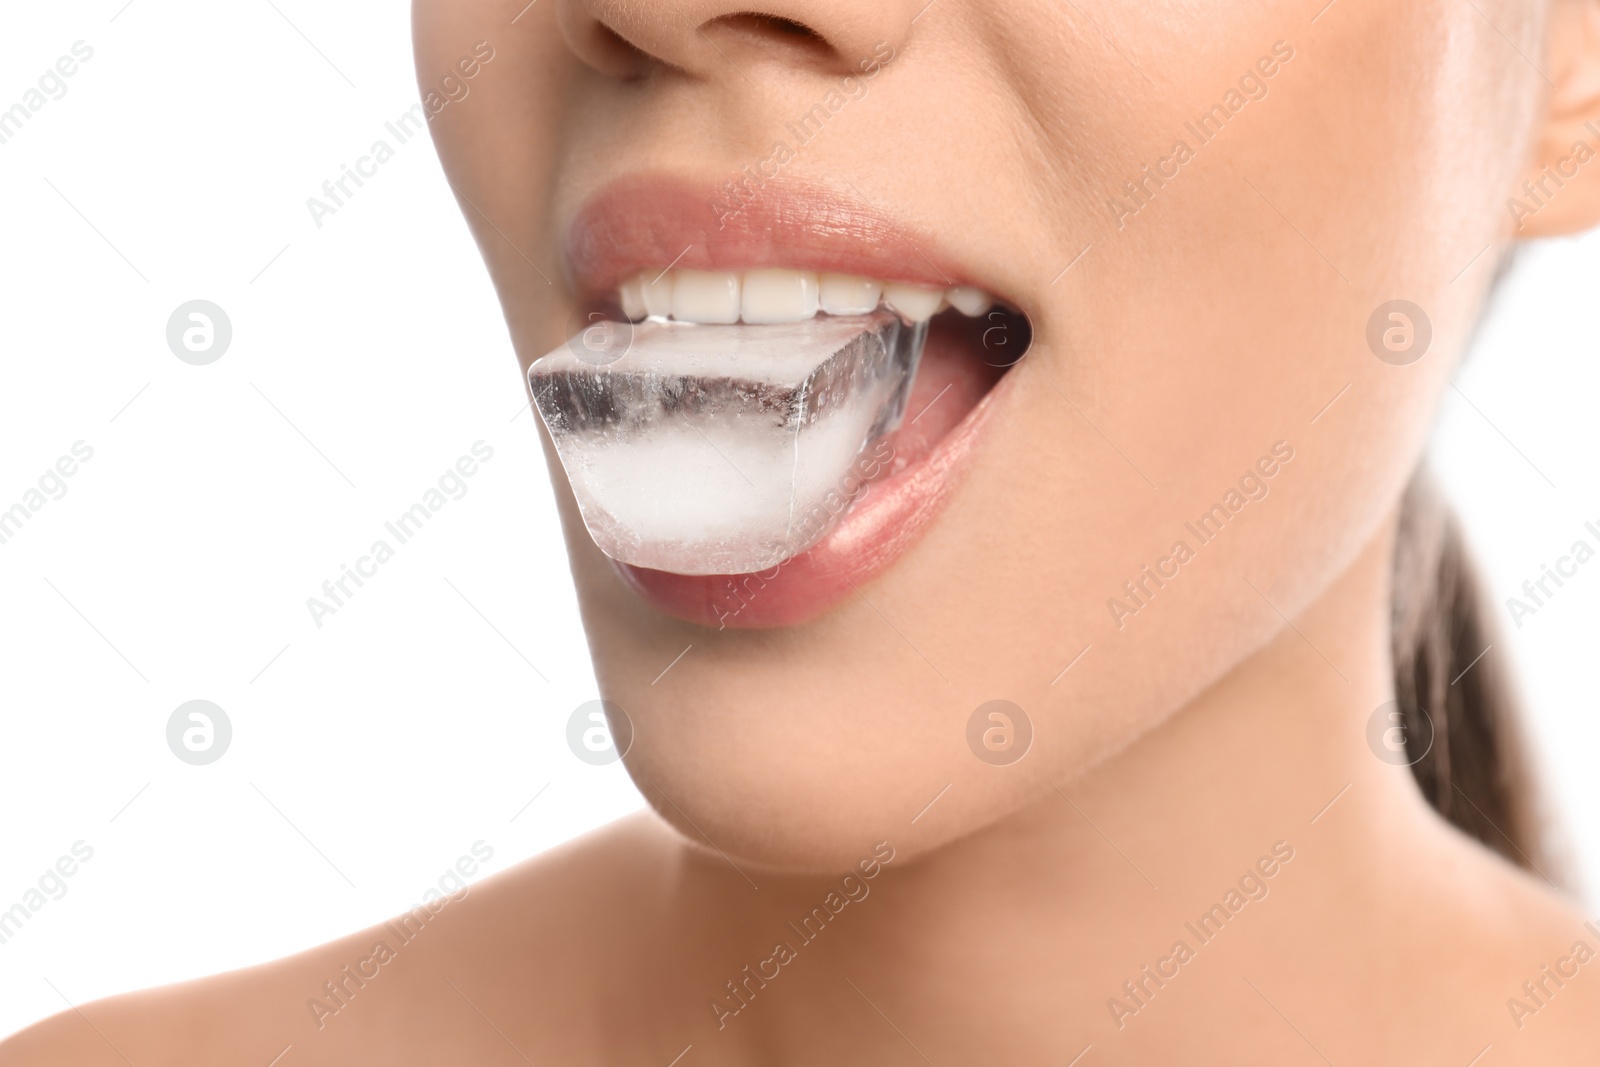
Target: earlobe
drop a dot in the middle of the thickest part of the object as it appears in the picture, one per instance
(1560, 191)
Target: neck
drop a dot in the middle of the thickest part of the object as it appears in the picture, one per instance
(1262, 798)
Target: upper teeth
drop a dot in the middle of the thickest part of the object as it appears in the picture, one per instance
(772, 294)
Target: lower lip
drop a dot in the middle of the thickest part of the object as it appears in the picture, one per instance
(885, 520)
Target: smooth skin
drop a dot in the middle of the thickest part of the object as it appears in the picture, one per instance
(1224, 720)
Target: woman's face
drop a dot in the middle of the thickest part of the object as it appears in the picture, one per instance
(1205, 211)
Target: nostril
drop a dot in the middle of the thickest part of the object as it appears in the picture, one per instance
(616, 54)
(782, 25)
(771, 31)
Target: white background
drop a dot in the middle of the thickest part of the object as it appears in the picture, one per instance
(368, 355)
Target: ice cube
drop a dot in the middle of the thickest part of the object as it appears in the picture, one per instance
(703, 449)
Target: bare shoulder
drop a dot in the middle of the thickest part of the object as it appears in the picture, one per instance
(1518, 960)
(418, 988)
(1546, 1004)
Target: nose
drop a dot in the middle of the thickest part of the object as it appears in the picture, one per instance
(720, 39)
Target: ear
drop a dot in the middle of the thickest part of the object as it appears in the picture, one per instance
(1560, 192)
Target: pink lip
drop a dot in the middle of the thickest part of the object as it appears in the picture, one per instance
(644, 222)
(650, 221)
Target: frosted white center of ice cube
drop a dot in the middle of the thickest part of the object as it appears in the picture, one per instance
(723, 449)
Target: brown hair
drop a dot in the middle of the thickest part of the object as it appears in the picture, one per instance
(1454, 689)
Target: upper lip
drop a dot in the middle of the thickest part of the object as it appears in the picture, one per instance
(652, 221)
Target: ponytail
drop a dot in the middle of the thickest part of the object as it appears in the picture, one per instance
(1456, 699)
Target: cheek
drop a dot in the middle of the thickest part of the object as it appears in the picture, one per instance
(499, 148)
(1227, 313)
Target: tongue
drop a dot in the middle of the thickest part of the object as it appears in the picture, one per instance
(950, 381)
(725, 449)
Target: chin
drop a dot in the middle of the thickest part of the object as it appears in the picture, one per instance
(810, 782)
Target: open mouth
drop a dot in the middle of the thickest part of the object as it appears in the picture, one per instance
(778, 266)
(972, 339)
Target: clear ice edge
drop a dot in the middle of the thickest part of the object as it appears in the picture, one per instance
(722, 449)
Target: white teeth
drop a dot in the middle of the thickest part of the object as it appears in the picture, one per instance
(706, 296)
(847, 294)
(633, 299)
(969, 301)
(913, 301)
(657, 292)
(772, 294)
